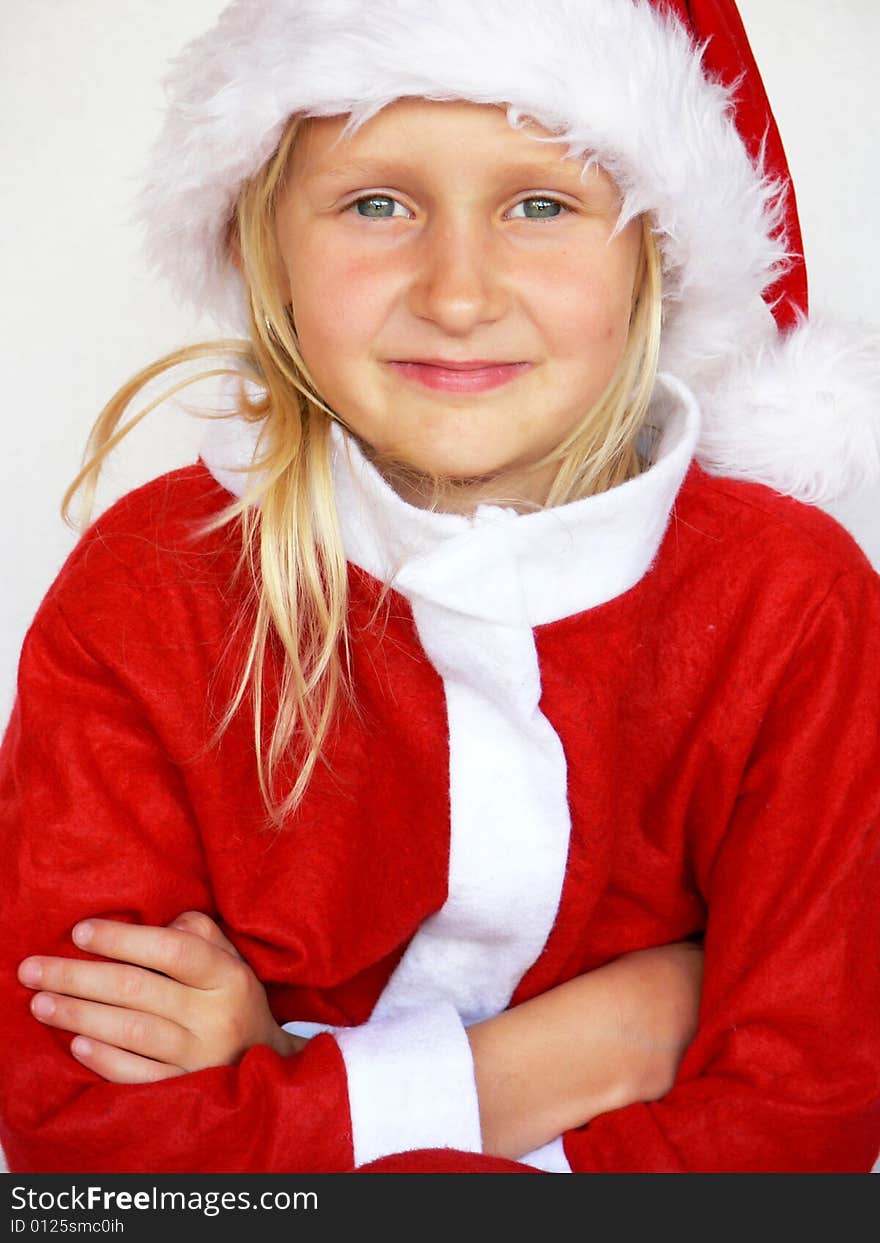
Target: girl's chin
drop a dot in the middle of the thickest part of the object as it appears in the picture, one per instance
(448, 483)
(428, 461)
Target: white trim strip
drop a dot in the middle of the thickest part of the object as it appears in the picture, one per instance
(510, 822)
(411, 1084)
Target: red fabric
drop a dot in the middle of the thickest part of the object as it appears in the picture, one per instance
(444, 1161)
(730, 60)
(721, 729)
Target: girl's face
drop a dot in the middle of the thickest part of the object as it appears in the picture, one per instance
(458, 297)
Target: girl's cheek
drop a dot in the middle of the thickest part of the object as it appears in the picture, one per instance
(346, 298)
(341, 328)
(583, 314)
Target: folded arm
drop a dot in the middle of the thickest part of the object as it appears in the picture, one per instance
(181, 999)
(97, 824)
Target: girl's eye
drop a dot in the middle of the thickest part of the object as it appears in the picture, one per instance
(538, 209)
(384, 207)
(379, 207)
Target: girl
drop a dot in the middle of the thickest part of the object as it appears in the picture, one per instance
(488, 658)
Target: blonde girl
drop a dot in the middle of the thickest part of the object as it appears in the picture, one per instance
(485, 667)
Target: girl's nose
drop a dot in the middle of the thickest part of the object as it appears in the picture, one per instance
(457, 283)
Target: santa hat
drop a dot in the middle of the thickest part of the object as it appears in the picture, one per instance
(664, 94)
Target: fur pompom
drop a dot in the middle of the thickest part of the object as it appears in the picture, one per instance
(801, 414)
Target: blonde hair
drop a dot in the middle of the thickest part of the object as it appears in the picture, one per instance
(291, 546)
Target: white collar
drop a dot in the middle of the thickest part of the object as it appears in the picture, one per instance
(518, 569)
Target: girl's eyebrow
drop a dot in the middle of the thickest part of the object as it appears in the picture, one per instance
(387, 170)
(371, 169)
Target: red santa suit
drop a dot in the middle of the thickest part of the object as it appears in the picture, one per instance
(647, 715)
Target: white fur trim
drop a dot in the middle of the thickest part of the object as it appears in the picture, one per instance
(801, 415)
(227, 447)
(411, 1084)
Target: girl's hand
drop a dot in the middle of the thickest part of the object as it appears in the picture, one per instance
(181, 999)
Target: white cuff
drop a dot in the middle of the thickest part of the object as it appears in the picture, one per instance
(550, 1158)
(411, 1083)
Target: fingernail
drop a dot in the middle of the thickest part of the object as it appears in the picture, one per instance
(30, 971)
(43, 1006)
(80, 1046)
(83, 933)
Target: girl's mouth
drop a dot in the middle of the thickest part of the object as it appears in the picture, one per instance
(475, 376)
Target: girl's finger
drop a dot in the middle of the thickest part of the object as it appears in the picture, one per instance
(203, 926)
(118, 1065)
(127, 986)
(144, 1034)
(183, 956)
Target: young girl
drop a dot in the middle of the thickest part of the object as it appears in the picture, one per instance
(489, 660)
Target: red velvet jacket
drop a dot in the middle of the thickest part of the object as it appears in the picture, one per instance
(721, 726)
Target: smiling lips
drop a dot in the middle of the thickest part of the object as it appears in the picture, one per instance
(476, 376)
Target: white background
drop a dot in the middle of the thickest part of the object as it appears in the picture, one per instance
(79, 104)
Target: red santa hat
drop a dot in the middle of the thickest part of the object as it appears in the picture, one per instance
(664, 94)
